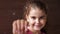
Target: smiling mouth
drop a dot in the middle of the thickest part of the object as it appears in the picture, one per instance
(37, 25)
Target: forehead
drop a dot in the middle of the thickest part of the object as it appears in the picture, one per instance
(36, 12)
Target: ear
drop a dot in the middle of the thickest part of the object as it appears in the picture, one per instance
(27, 18)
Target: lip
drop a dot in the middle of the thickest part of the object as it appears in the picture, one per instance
(37, 25)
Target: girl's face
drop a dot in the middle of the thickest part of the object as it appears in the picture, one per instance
(36, 18)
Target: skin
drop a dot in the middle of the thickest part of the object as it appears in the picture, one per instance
(19, 26)
(36, 19)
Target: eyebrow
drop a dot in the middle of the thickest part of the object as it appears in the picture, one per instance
(39, 16)
(43, 16)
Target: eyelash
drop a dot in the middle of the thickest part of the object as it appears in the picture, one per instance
(34, 17)
(39, 18)
(42, 17)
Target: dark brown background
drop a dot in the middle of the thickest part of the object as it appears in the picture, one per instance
(11, 10)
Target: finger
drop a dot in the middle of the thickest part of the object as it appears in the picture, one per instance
(22, 26)
(14, 27)
(18, 26)
(25, 27)
(26, 24)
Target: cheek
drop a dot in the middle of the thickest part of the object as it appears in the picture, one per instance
(31, 22)
(43, 21)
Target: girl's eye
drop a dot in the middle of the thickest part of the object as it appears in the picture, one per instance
(33, 17)
(42, 17)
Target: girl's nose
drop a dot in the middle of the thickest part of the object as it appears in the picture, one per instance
(37, 21)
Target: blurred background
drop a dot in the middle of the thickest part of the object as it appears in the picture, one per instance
(11, 10)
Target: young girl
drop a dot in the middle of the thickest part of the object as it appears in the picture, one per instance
(35, 17)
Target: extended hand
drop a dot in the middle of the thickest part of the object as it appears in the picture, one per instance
(19, 26)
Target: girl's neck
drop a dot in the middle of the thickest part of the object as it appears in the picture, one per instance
(34, 31)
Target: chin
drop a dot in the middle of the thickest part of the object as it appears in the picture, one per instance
(37, 28)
